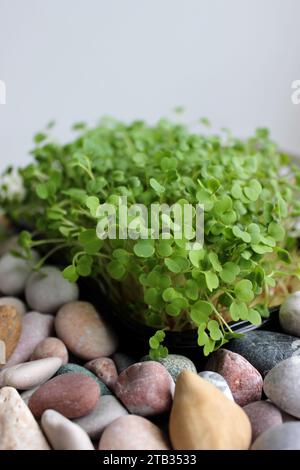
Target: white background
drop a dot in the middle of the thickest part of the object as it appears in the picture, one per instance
(230, 60)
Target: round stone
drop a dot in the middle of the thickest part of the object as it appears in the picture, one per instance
(30, 374)
(133, 433)
(145, 388)
(47, 290)
(76, 369)
(262, 415)
(175, 363)
(10, 328)
(244, 381)
(218, 381)
(289, 314)
(106, 411)
(282, 385)
(72, 395)
(51, 347)
(84, 331)
(283, 437)
(64, 434)
(14, 302)
(14, 272)
(104, 368)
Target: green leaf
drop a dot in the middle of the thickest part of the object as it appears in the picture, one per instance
(254, 317)
(192, 289)
(90, 242)
(176, 264)
(164, 248)
(201, 311)
(253, 190)
(238, 310)
(144, 248)
(229, 272)
(214, 330)
(203, 337)
(170, 294)
(243, 290)
(241, 234)
(223, 205)
(116, 270)
(276, 231)
(42, 191)
(92, 202)
(209, 347)
(214, 260)
(196, 256)
(70, 273)
(158, 188)
(212, 280)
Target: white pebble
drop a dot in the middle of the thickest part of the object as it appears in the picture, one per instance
(30, 374)
(14, 272)
(63, 434)
(47, 290)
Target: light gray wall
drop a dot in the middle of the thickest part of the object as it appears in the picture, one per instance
(230, 60)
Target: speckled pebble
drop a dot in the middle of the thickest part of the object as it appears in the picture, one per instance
(104, 368)
(175, 363)
(244, 381)
(76, 369)
(145, 388)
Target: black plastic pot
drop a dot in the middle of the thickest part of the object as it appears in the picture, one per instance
(135, 336)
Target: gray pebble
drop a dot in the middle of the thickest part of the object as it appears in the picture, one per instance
(283, 437)
(218, 381)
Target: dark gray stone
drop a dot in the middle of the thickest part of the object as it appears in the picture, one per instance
(76, 369)
(265, 349)
(283, 437)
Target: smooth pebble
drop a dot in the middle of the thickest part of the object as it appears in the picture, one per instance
(51, 347)
(64, 434)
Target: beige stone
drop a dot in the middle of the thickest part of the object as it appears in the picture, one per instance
(30, 374)
(18, 428)
(203, 418)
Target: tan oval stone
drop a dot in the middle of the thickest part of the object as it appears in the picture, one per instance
(11, 327)
(84, 332)
(203, 418)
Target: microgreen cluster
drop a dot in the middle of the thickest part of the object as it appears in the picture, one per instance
(249, 210)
